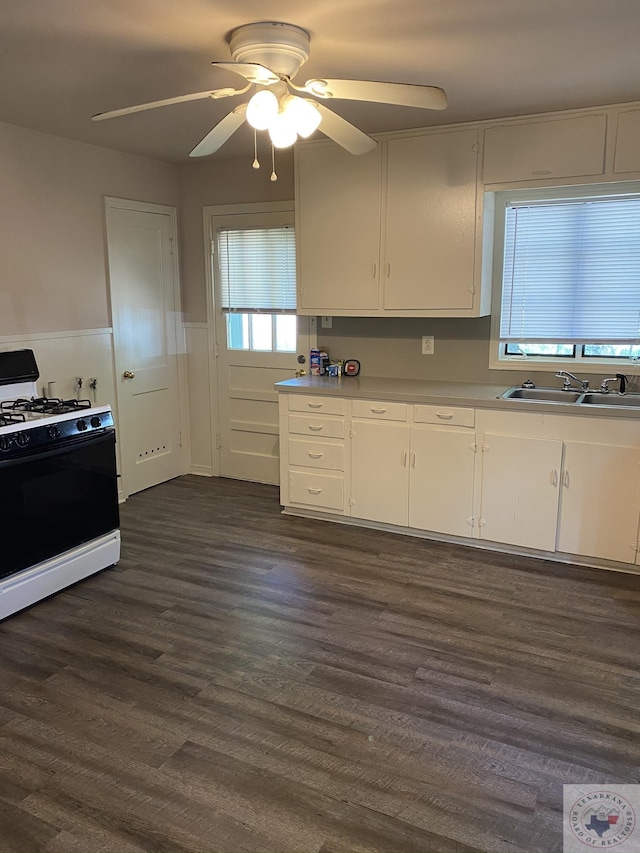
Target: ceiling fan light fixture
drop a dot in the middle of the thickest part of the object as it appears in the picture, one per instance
(282, 131)
(303, 114)
(262, 109)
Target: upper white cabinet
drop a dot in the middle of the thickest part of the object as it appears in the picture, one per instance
(392, 233)
(627, 153)
(553, 148)
(338, 202)
(430, 222)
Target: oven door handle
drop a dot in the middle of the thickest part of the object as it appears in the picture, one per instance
(59, 449)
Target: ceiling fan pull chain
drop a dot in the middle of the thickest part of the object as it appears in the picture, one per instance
(274, 177)
(256, 162)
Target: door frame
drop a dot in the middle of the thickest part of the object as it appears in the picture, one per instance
(173, 319)
(208, 212)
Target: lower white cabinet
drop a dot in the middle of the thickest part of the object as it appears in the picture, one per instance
(562, 483)
(600, 500)
(520, 487)
(441, 470)
(380, 471)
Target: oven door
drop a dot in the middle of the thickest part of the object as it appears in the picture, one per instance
(56, 499)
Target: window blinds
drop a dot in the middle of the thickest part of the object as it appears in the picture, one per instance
(572, 270)
(257, 269)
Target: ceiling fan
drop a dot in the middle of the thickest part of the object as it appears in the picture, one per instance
(268, 55)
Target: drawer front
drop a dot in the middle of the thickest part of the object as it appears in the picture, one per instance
(316, 425)
(316, 454)
(323, 405)
(444, 415)
(323, 491)
(379, 411)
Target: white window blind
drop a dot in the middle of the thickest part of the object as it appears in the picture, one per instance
(572, 270)
(257, 269)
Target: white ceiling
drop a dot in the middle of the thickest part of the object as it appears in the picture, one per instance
(61, 61)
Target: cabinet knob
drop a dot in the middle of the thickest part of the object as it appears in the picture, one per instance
(128, 374)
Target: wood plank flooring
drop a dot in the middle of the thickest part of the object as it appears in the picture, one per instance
(248, 681)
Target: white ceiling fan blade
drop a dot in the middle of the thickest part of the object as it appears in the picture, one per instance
(216, 137)
(251, 71)
(213, 93)
(402, 94)
(344, 133)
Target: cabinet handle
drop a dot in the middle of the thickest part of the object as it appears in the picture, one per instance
(541, 172)
(565, 480)
(313, 491)
(413, 460)
(314, 405)
(405, 456)
(445, 416)
(374, 269)
(314, 428)
(388, 270)
(377, 411)
(315, 455)
(554, 477)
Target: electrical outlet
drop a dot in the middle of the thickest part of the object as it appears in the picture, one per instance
(326, 322)
(428, 345)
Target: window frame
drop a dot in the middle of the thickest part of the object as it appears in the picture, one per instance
(499, 199)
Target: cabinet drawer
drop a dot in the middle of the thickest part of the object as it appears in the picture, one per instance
(318, 490)
(316, 425)
(316, 454)
(453, 416)
(325, 405)
(379, 411)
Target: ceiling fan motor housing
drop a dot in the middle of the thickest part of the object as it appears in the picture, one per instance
(282, 48)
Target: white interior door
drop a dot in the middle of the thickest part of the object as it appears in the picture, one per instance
(253, 352)
(145, 311)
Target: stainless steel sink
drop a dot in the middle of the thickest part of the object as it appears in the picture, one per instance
(543, 395)
(596, 398)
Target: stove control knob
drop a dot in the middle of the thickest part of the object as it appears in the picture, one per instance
(82, 425)
(5, 443)
(22, 439)
(96, 422)
(53, 431)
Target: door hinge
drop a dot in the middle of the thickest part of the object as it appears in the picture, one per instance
(180, 439)
(171, 246)
(212, 246)
(218, 441)
(351, 433)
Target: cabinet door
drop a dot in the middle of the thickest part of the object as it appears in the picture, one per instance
(545, 149)
(380, 472)
(520, 490)
(627, 156)
(430, 222)
(337, 230)
(600, 501)
(441, 481)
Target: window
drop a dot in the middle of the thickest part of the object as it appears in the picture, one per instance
(256, 268)
(569, 267)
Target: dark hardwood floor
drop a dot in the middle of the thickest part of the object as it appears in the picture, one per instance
(247, 681)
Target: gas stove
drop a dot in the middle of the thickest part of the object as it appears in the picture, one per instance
(58, 464)
(28, 421)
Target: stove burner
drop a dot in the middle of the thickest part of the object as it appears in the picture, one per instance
(8, 418)
(45, 405)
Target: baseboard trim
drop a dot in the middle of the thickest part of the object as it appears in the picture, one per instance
(481, 545)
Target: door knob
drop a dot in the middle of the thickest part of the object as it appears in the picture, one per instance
(128, 374)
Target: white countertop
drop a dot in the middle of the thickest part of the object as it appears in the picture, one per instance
(477, 395)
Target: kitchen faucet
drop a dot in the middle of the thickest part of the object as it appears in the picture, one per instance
(604, 388)
(566, 381)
